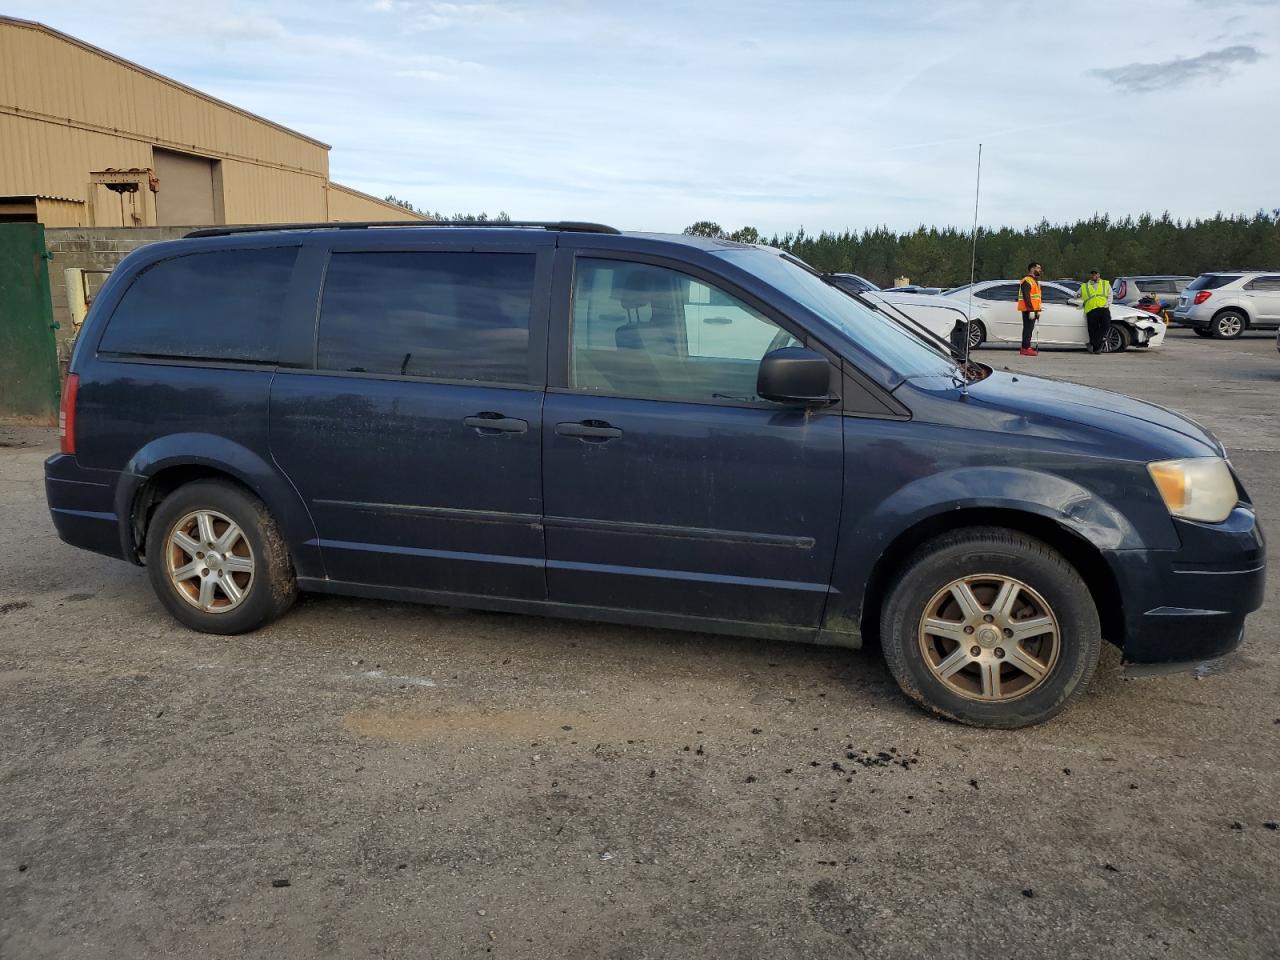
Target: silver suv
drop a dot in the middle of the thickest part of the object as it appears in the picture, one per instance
(1227, 303)
(1165, 290)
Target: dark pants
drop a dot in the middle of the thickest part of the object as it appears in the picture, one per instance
(1028, 327)
(1099, 318)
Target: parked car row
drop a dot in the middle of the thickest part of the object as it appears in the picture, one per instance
(1223, 304)
(993, 317)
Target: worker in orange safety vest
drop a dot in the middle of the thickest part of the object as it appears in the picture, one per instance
(1029, 307)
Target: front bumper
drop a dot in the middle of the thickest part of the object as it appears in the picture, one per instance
(1149, 336)
(1189, 605)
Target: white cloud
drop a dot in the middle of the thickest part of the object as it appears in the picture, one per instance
(755, 112)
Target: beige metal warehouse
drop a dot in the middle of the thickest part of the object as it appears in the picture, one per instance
(90, 139)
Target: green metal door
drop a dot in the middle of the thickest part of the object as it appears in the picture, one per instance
(28, 349)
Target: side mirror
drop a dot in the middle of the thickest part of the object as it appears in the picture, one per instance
(794, 375)
(1075, 302)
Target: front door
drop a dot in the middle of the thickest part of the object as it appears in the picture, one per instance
(1061, 322)
(416, 439)
(669, 485)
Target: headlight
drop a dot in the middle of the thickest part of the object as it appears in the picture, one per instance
(1197, 489)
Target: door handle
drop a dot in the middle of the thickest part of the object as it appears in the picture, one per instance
(589, 430)
(491, 423)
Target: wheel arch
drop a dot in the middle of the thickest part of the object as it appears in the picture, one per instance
(1086, 558)
(1234, 308)
(164, 465)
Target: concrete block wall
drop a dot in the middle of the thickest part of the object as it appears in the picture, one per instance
(92, 248)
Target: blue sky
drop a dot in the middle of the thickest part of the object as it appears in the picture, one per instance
(651, 115)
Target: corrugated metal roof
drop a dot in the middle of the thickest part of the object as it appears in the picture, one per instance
(98, 51)
(377, 201)
(38, 196)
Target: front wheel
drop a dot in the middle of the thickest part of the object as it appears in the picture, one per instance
(217, 560)
(1116, 339)
(992, 628)
(977, 334)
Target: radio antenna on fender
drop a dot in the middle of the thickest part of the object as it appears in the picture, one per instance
(973, 267)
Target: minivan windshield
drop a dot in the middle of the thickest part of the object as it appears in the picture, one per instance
(882, 337)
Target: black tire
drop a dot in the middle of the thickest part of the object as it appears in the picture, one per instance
(1116, 339)
(1228, 325)
(1203, 332)
(268, 592)
(977, 334)
(995, 551)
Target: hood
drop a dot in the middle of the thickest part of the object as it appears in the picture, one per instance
(1040, 403)
(1134, 315)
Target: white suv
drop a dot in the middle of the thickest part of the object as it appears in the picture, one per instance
(1227, 303)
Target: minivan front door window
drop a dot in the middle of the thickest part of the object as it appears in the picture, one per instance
(643, 330)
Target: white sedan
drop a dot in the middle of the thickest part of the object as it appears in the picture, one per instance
(995, 318)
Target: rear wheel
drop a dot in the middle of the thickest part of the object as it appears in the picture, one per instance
(1116, 339)
(216, 559)
(977, 334)
(992, 628)
(1228, 325)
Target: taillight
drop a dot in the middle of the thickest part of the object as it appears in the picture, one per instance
(67, 414)
(1123, 291)
(1203, 295)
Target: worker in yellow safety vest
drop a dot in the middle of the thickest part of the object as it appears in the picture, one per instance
(1029, 307)
(1095, 300)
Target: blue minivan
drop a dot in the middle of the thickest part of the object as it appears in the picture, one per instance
(664, 430)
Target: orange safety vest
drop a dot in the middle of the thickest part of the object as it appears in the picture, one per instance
(1035, 295)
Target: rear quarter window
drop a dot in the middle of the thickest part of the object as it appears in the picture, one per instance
(1211, 281)
(1002, 291)
(222, 305)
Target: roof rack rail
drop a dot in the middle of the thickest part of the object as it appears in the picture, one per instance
(572, 226)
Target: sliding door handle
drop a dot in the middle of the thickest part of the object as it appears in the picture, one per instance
(588, 430)
(490, 423)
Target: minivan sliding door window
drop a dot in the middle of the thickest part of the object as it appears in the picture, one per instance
(430, 314)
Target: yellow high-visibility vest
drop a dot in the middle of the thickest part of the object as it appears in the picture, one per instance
(1094, 295)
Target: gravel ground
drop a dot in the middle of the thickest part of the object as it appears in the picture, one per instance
(377, 780)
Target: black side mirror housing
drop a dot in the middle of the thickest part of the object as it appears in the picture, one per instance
(794, 375)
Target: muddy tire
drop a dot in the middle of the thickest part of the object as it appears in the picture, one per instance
(992, 628)
(216, 559)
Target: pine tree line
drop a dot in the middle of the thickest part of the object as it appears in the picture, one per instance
(1123, 247)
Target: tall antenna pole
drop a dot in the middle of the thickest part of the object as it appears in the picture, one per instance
(973, 263)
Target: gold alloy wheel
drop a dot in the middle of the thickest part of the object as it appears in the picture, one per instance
(989, 637)
(210, 562)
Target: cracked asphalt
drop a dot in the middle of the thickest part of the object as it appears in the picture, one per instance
(366, 779)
